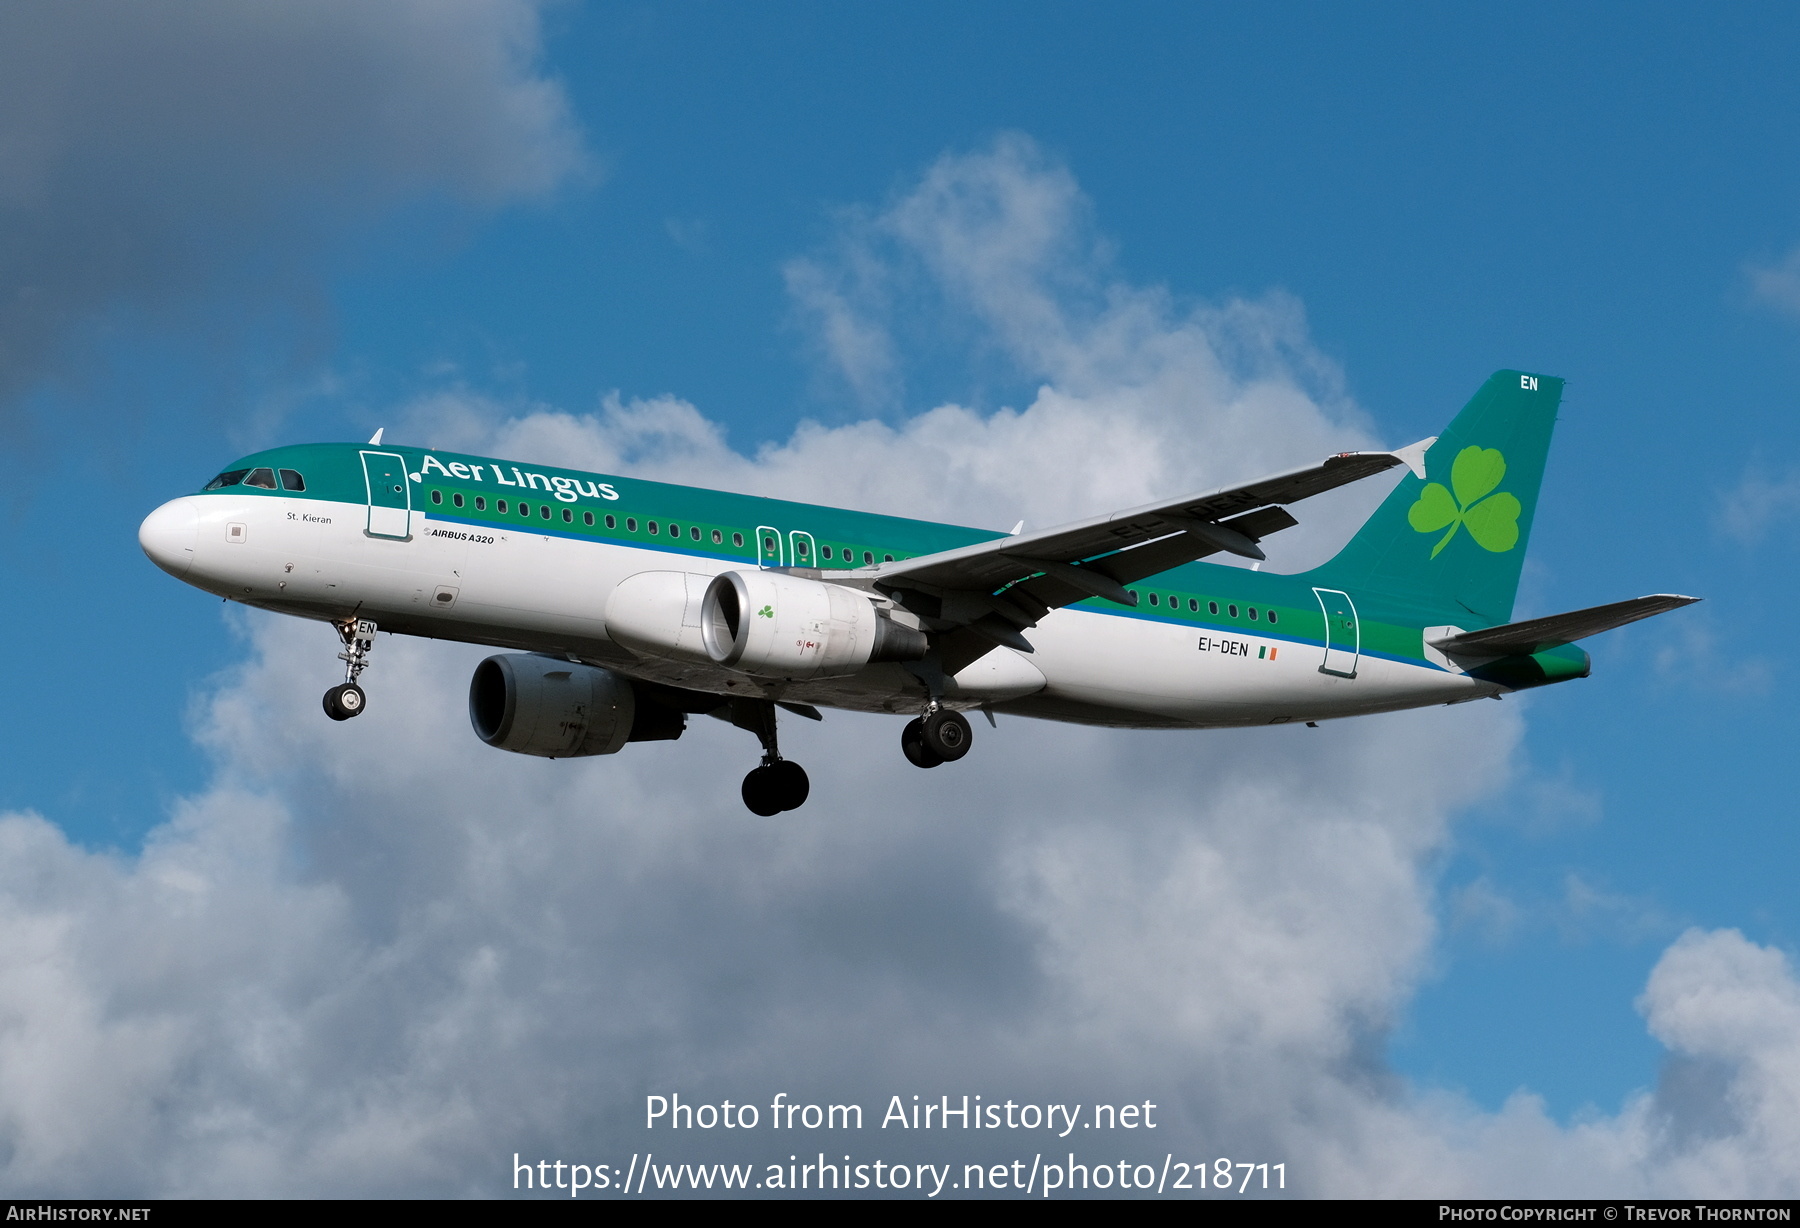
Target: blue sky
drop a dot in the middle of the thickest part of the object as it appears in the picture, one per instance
(312, 227)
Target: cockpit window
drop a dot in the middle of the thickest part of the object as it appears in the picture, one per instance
(264, 478)
(231, 477)
(291, 480)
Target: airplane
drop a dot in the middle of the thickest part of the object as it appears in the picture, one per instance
(630, 605)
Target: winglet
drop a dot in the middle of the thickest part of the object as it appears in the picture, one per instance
(375, 439)
(1413, 455)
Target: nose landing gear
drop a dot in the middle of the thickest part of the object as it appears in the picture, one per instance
(940, 736)
(346, 699)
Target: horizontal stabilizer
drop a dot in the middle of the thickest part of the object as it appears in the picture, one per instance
(1538, 634)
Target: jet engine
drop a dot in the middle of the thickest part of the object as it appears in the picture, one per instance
(781, 626)
(534, 705)
(658, 613)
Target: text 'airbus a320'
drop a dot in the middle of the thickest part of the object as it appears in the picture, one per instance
(631, 605)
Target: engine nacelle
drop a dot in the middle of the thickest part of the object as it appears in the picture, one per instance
(658, 612)
(535, 705)
(781, 626)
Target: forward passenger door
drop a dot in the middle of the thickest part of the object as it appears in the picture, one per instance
(390, 495)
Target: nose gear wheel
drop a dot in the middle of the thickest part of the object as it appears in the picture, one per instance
(344, 701)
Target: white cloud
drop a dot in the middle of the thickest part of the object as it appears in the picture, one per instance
(832, 299)
(1778, 284)
(154, 155)
(1482, 906)
(1719, 1000)
(1758, 501)
(377, 957)
(1691, 653)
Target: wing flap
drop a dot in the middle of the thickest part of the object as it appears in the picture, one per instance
(1538, 634)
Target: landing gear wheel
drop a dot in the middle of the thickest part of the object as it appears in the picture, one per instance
(775, 787)
(759, 793)
(912, 745)
(344, 701)
(791, 784)
(947, 735)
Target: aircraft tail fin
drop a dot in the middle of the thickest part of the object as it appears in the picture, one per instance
(1453, 533)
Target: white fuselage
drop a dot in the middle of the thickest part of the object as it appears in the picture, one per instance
(514, 588)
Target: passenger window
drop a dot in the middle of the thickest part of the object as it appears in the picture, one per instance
(827, 551)
(437, 496)
(694, 532)
(737, 539)
(481, 503)
(500, 506)
(569, 517)
(769, 544)
(718, 538)
(1212, 607)
(651, 524)
(291, 480)
(800, 549)
(868, 559)
(1152, 598)
(1193, 606)
(1231, 610)
(261, 478)
(587, 518)
(1272, 616)
(1252, 613)
(887, 558)
(631, 524)
(544, 511)
(229, 478)
(457, 499)
(524, 509)
(612, 522)
(1174, 602)
(674, 530)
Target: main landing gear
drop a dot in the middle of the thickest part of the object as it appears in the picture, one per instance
(940, 736)
(779, 784)
(346, 699)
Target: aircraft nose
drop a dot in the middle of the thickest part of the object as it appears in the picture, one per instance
(169, 534)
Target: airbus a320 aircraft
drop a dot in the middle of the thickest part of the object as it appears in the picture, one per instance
(632, 605)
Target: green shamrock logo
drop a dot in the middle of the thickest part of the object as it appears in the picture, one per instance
(1492, 520)
(767, 611)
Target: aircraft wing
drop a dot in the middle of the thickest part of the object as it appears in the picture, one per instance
(977, 596)
(1537, 634)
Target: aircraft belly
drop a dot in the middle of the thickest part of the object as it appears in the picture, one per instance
(1175, 672)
